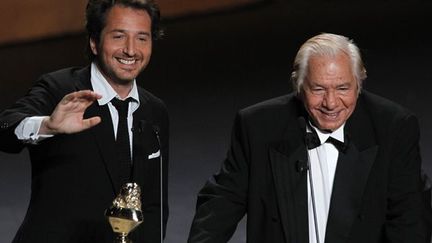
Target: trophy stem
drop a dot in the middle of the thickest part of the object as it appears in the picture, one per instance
(122, 238)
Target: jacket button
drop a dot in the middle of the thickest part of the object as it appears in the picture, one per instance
(4, 125)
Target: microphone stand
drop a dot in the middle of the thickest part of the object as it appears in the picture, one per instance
(302, 124)
(313, 199)
(156, 130)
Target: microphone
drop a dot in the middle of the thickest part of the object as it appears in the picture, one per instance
(140, 127)
(156, 130)
(302, 167)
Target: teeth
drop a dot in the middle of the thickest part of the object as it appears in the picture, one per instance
(331, 114)
(127, 62)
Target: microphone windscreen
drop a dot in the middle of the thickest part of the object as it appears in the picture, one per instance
(302, 165)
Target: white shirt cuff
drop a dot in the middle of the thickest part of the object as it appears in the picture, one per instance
(28, 130)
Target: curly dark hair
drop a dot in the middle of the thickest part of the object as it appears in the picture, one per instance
(97, 10)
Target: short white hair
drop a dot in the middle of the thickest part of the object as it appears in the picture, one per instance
(326, 44)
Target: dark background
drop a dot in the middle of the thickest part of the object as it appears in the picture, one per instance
(209, 66)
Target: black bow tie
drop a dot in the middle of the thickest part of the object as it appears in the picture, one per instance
(313, 141)
(340, 146)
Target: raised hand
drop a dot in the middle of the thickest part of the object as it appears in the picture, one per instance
(68, 116)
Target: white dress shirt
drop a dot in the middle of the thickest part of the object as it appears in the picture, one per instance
(323, 161)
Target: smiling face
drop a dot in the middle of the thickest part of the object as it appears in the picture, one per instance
(125, 45)
(329, 91)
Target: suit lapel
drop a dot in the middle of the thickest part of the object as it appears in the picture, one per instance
(291, 185)
(351, 176)
(103, 133)
(350, 180)
(104, 137)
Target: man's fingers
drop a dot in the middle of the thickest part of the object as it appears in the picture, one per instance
(91, 122)
(88, 94)
(81, 96)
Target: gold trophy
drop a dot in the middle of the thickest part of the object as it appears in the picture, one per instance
(125, 213)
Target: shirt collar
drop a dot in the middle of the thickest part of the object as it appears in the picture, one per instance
(101, 86)
(337, 134)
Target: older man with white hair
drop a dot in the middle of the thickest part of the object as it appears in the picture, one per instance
(330, 162)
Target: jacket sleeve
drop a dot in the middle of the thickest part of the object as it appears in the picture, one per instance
(427, 197)
(222, 201)
(405, 219)
(40, 100)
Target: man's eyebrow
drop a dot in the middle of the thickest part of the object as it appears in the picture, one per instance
(144, 33)
(118, 30)
(125, 31)
(348, 82)
(313, 83)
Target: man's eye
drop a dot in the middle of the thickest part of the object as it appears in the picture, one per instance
(343, 88)
(143, 38)
(317, 90)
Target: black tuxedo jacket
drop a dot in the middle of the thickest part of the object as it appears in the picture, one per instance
(376, 192)
(75, 177)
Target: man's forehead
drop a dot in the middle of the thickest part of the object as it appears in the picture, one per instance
(122, 15)
(128, 20)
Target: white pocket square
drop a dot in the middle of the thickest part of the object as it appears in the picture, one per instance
(154, 155)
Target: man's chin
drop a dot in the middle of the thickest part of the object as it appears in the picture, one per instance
(126, 81)
(329, 126)
(126, 78)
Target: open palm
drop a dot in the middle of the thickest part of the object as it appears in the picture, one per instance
(68, 116)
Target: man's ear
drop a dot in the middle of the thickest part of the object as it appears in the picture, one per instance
(93, 46)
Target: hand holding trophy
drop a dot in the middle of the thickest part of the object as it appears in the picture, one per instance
(125, 213)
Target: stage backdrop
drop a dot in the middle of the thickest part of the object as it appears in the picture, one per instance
(36, 19)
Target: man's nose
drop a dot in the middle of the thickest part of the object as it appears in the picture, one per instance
(129, 47)
(330, 100)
